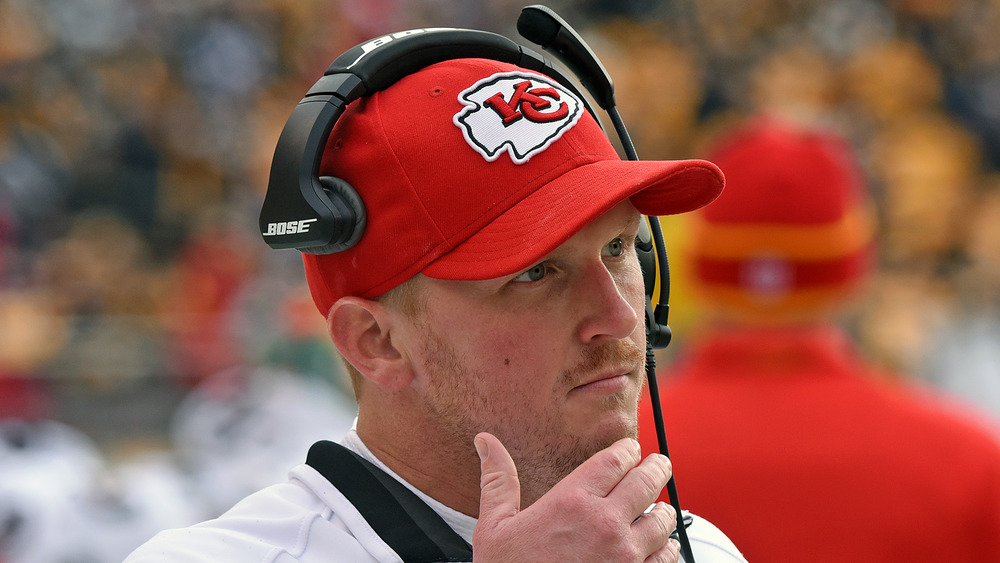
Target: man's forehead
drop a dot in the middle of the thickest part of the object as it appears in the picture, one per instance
(624, 215)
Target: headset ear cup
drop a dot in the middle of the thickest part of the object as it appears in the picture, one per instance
(349, 209)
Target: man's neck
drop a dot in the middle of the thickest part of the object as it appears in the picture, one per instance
(463, 524)
(445, 472)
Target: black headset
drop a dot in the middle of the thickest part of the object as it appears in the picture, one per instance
(324, 214)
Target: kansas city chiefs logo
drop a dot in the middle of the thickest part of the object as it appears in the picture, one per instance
(518, 112)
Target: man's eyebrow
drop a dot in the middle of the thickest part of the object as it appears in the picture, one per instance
(632, 222)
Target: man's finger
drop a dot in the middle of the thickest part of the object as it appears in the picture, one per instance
(500, 490)
(600, 474)
(643, 484)
(652, 530)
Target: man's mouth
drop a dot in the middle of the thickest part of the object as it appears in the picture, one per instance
(608, 369)
(610, 381)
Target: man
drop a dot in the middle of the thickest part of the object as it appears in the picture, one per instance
(772, 403)
(491, 317)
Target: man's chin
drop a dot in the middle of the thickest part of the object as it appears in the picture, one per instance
(610, 431)
(617, 419)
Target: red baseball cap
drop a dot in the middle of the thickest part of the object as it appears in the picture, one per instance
(472, 169)
(793, 235)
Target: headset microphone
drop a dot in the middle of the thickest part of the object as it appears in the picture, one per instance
(542, 26)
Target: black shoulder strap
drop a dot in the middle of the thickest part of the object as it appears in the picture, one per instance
(410, 527)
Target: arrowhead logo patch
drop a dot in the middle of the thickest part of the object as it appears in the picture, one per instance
(516, 112)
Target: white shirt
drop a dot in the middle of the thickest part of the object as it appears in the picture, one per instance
(307, 520)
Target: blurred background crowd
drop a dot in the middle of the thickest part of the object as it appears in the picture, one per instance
(158, 361)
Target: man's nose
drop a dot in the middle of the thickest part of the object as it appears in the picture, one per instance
(608, 314)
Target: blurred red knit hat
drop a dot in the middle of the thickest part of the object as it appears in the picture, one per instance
(793, 233)
(473, 169)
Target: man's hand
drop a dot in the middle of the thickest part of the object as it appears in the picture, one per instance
(591, 515)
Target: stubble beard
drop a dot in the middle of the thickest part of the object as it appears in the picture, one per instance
(542, 448)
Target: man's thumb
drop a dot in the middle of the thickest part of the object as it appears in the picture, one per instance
(500, 491)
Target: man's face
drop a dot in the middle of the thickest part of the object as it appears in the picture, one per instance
(550, 360)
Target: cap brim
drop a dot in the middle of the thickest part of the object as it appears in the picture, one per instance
(539, 223)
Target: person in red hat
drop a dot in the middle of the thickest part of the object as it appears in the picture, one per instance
(775, 420)
(491, 317)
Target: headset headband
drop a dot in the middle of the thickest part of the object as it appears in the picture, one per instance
(313, 216)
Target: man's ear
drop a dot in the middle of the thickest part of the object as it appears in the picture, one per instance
(361, 329)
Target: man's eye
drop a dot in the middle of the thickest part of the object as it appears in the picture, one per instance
(616, 247)
(532, 274)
